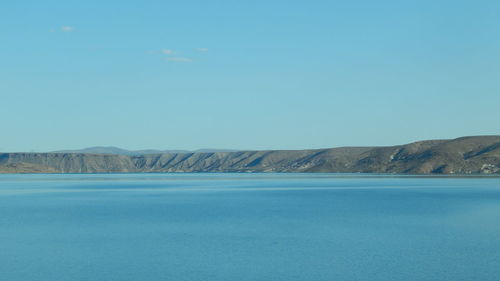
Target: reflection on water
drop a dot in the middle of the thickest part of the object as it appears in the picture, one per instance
(248, 227)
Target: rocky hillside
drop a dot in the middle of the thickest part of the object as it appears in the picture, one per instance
(465, 155)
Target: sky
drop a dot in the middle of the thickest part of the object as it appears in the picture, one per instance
(246, 74)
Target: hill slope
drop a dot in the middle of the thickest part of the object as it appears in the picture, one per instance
(480, 154)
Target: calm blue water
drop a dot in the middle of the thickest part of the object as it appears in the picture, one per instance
(248, 227)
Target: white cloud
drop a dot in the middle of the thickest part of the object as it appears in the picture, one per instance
(167, 51)
(67, 28)
(202, 49)
(179, 59)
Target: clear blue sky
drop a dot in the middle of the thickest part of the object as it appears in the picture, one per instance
(246, 74)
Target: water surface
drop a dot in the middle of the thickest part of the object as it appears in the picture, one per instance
(148, 227)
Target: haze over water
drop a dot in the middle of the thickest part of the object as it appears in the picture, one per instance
(248, 227)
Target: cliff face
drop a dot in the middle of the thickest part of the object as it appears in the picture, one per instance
(461, 156)
(70, 163)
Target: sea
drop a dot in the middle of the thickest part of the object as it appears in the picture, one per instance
(249, 227)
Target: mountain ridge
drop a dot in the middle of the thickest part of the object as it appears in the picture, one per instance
(465, 155)
(121, 151)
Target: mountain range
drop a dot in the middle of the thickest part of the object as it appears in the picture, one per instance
(465, 155)
(121, 151)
